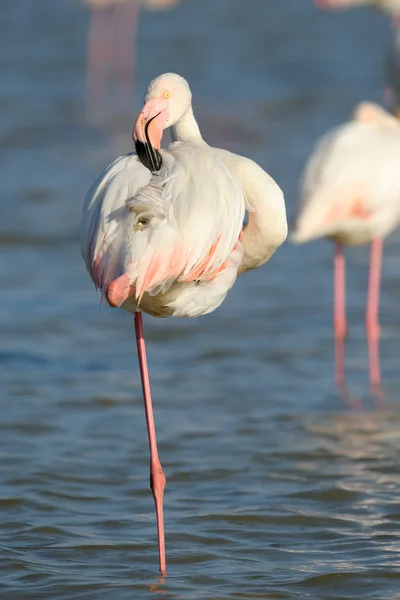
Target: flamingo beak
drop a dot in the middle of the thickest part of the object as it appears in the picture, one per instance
(148, 131)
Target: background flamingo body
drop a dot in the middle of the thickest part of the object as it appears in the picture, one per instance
(351, 186)
(351, 193)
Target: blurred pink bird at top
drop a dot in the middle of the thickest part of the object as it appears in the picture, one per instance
(162, 232)
(111, 48)
(351, 194)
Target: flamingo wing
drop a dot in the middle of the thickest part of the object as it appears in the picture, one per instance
(185, 222)
(104, 218)
(209, 206)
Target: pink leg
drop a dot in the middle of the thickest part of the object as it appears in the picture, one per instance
(98, 61)
(157, 477)
(372, 315)
(339, 316)
(126, 18)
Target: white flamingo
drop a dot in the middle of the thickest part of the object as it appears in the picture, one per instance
(111, 46)
(351, 194)
(169, 239)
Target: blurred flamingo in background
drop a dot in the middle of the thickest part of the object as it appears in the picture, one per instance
(351, 194)
(392, 8)
(163, 231)
(111, 48)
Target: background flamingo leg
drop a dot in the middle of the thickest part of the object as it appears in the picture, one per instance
(339, 316)
(126, 17)
(157, 477)
(98, 62)
(372, 316)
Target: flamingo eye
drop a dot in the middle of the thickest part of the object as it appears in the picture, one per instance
(167, 95)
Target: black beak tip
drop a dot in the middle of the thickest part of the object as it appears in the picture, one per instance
(149, 157)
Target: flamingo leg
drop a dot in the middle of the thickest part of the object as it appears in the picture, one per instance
(372, 315)
(157, 477)
(126, 18)
(339, 316)
(98, 61)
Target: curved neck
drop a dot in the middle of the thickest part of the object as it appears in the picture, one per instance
(186, 130)
(267, 226)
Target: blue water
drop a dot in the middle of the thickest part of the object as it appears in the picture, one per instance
(276, 488)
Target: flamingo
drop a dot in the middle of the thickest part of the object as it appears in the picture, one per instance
(351, 194)
(111, 41)
(163, 232)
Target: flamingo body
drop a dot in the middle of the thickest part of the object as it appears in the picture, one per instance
(174, 233)
(351, 187)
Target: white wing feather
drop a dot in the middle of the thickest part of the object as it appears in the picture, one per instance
(180, 224)
(104, 218)
(195, 208)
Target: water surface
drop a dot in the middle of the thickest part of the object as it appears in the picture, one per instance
(276, 489)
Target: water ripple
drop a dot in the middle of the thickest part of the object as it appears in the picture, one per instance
(275, 489)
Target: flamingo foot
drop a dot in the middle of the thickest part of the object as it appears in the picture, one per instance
(157, 484)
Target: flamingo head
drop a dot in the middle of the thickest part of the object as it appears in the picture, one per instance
(167, 99)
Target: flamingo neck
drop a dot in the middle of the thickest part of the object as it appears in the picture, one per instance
(266, 229)
(186, 129)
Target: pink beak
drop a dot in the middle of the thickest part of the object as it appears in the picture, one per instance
(148, 132)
